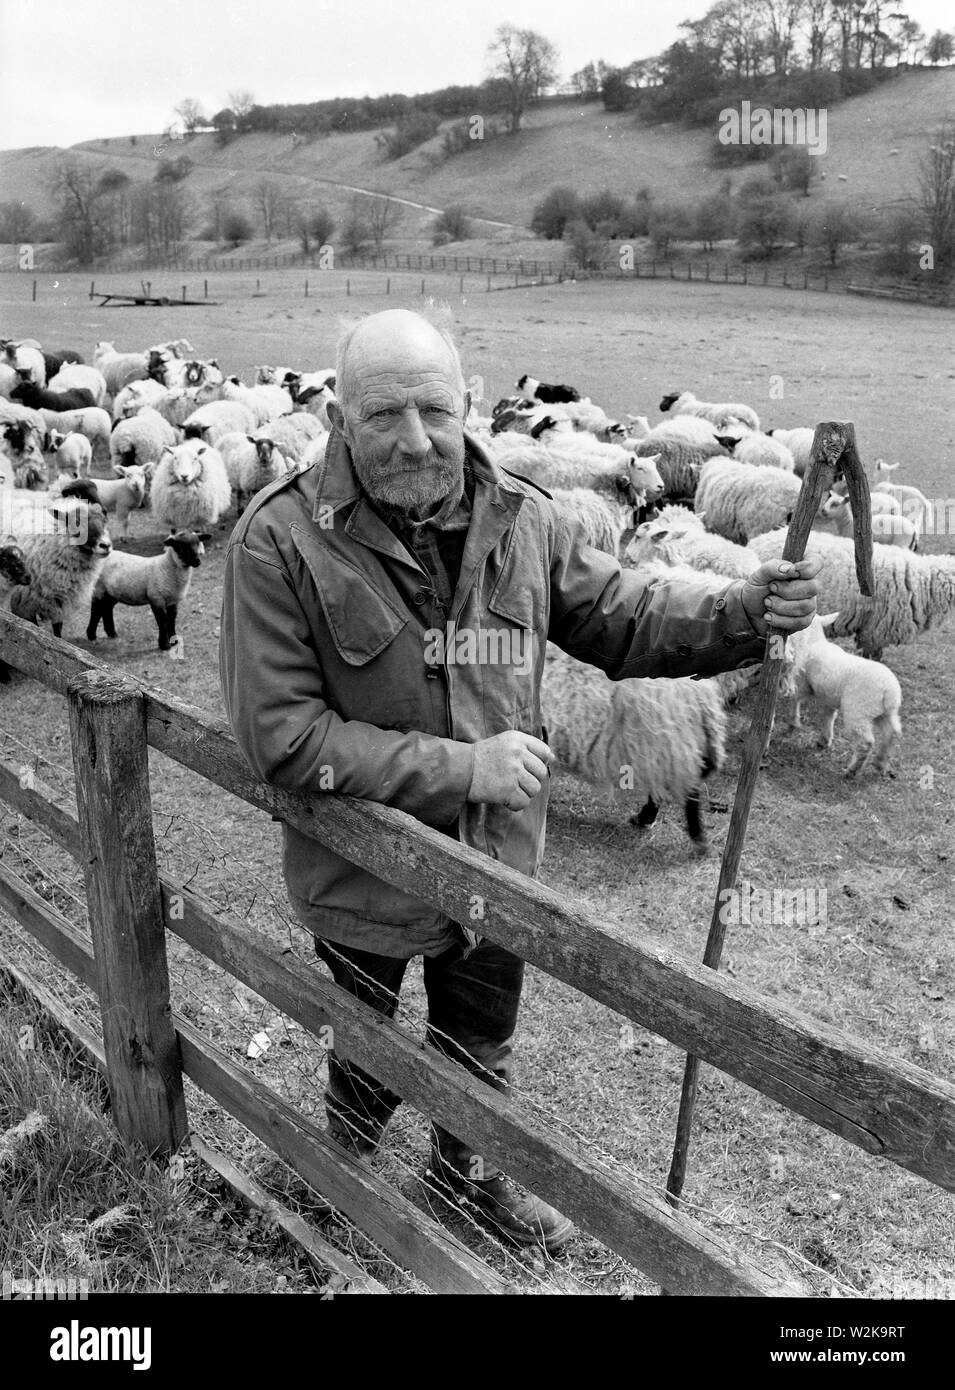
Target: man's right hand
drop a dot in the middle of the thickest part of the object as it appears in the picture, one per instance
(509, 769)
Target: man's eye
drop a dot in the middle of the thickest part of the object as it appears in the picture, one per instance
(435, 410)
(384, 414)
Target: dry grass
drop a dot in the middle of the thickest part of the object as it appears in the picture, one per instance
(880, 965)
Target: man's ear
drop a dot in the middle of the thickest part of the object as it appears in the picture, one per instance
(334, 412)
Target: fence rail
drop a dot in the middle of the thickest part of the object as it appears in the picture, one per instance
(883, 1105)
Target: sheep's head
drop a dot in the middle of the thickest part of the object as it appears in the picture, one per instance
(264, 376)
(670, 400)
(84, 525)
(186, 466)
(644, 476)
(135, 477)
(13, 566)
(264, 447)
(188, 546)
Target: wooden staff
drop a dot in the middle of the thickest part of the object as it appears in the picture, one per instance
(834, 454)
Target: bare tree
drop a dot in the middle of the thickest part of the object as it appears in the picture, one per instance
(83, 218)
(835, 225)
(526, 62)
(940, 48)
(241, 102)
(937, 195)
(818, 21)
(268, 198)
(383, 217)
(191, 114)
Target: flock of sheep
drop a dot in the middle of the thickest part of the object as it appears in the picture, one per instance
(704, 494)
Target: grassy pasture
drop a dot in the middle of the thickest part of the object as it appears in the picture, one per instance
(880, 964)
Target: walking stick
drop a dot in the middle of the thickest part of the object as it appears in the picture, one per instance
(834, 454)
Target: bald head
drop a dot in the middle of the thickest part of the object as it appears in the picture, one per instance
(395, 342)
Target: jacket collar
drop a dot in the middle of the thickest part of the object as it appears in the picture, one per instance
(497, 501)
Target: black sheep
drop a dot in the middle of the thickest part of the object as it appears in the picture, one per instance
(39, 398)
(550, 394)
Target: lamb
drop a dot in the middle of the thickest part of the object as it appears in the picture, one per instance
(657, 739)
(541, 391)
(674, 540)
(799, 443)
(210, 422)
(251, 462)
(265, 402)
(913, 503)
(739, 501)
(724, 415)
(760, 450)
(123, 494)
(161, 580)
(64, 551)
(75, 376)
(866, 693)
(911, 592)
(135, 396)
(37, 398)
(92, 421)
(119, 368)
(141, 438)
(190, 488)
(889, 526)
(74, 452)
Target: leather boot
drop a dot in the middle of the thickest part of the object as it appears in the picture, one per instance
(498, 1203)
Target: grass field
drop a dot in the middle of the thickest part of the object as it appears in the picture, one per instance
(880, 965)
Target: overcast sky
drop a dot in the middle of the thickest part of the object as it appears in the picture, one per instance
(115, 67)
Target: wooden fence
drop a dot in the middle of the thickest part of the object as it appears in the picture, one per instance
(886, 1106)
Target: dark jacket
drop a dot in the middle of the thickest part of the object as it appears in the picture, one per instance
(324, 636)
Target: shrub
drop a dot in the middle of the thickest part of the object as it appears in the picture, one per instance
(586, 247)
(236, 227)
(452, 225)
(835, 225)
(712, 219)
(552, 215)
(762, 225)
(412, 129)
(668, 222)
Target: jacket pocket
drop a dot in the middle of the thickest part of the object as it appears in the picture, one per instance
(521, 591)
(362, 620)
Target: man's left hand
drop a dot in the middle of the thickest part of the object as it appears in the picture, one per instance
(781, 596)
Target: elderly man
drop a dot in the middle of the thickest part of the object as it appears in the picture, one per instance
(337, 581)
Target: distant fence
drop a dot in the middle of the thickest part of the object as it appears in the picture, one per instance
(883, 1105)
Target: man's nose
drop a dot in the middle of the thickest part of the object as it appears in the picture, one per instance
(412, 434)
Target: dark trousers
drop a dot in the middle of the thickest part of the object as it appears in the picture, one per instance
(472, 1013)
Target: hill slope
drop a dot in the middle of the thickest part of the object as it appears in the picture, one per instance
(502, 179)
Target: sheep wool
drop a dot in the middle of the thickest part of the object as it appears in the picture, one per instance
(724, 415)
(190, 488)
(739, 501)
(64, 560)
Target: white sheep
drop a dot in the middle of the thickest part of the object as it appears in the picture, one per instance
(602, 518)
(134, 396)
(119, 368)
(314, 452)
(866, 693)
(73, 451)
(913, 503)
(889, 526)
(799, 443)
(911, 592)
(739, 501)
(190, 488)
(123, 494)
(141, 438)
(177, 404)
(292, 434)
(758, 449)
(265, 401)
(90, 420)
(8, 379)
(161, 580)
(653, 740)
(724, 415)
(685, 541)
(211, 421)
(251, 463)
(64, 550)
(74, 376)
(565, 461)
(275, 376)
(28, 362)
(682, 445)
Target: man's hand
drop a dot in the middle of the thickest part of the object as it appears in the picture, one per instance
(509, 769)
(781, 596)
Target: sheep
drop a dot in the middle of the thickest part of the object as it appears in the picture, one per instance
(760, 450)
(913, 503)
(38, 398)
(265, 402)
(53, 361)
(724, 415)
(161, 580)
(799, 443)
(75, 376)
(674, 540)
(135, 396)
(314, 452)
(739, 501)
(27, 361)
(603, 520)
(141, 438)
(123, 494)
(92, 421)
(866, 693)
(210, 422)
(638, 426)
(300, 385)
(178, 404)
(911, 592)
(889, 526)
(275, 376)
(683, 446)
(190, 488)
(8, 379)
(266, 465)
(315, 400)
(658, 739)
(292, 434)
(119, 368)
(64, 550)
(21, 444)
(541, 391)
(74, 452)
(173, 370)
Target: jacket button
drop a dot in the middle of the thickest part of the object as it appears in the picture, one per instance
(419, 596)
(720, 603)
(729, 640)
(684, 650)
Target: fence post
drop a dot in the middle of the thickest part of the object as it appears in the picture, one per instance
(205, 288)
(92, 288)
(461, 284)
(745, 275)
(825, 282)
(388, 285)
(306, 289)
(347, 288)
(110, 759)
(488, 291)
(34, 292)
(766, 275)
(184, 294)
(805, 279)
(785, 280)
(726, 271)
(422, 284)
(689, 270)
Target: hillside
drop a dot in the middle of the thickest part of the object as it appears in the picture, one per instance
(502, 179)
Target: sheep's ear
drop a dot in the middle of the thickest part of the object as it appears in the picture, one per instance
(827, 619)
(205, 536)
(251, 438)
(201, 450)
(149, 468)
(770, 433)
(120, 470)
(169, 539)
